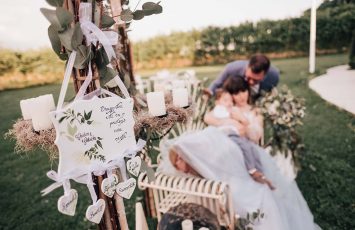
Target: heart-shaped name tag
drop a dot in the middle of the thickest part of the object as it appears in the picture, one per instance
(95, 211)
(134, 165)
(125, 189)
(67, 203)
(108, 185)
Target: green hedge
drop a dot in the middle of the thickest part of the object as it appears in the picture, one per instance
(214, 45)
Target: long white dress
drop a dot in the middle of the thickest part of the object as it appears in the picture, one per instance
(214, 156)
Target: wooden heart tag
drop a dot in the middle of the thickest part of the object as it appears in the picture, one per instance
(95, 211)
(125, 189)
(134, 165)
(108, 185)
(67, 203)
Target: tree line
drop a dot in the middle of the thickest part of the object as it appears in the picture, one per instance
(278, 38)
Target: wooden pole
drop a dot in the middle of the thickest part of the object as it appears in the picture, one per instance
(312, 40)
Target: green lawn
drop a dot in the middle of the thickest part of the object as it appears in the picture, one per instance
(327, 179)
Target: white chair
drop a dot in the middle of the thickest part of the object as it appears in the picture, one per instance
(169, 191)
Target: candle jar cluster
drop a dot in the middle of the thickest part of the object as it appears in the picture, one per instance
(37, 110)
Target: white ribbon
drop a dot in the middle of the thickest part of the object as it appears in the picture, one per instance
(66, 79)
(93, 33)
(119, 162)
(91, 188)
(61, 182)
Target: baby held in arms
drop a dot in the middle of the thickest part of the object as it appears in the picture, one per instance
(236, 130)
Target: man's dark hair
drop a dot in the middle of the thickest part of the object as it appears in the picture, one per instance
(235, 84)
(259, 63)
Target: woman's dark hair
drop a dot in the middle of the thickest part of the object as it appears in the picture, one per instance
(235, 84)
(259, 63)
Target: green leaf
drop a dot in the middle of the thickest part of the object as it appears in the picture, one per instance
(106, 74)
(70, 138)
(65, 38)
(149, 6)
(107, 21)
(55, 2)
(89, 115)
(126, 15)
(83, 56)
(72, 129)
(62, 119)
(101, 58)
(52, 18)
(77, 38)
(86, 116)
(138, 14)
(99, 144)
(158, 9)
(64, 17)
(148, 12)
(89, 122)
(55, 42)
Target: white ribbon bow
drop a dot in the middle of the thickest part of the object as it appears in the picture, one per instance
(62, 182)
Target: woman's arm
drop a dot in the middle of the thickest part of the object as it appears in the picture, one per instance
(255, 130)
(212, 120)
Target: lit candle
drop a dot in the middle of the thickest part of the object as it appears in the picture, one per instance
(156, 103)
(187, 225)
(26, 108)
(180, 97)
(41, 106)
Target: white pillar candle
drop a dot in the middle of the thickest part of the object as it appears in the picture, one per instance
(156, 103)
(180, 97)
(178, 84)
(26, 108)
(187, 225)
(159, 86)
(41, 106)
(49, 100)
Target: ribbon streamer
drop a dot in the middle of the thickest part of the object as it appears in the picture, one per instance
(92, 32)
(91, 188)
(62, 182)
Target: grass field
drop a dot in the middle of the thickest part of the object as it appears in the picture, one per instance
(327, 179)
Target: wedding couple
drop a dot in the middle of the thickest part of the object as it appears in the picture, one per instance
(222, 154)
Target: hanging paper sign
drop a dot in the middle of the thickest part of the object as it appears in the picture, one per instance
(108, 185)
(126, 188)
(67, 203)
(90, 133)
(95, 211)
(134, 165)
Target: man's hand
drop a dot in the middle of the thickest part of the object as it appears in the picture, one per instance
(207, 94)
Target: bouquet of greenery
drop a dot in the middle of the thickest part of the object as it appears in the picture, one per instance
(283, 113)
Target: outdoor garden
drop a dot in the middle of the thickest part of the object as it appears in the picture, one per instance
(327, 161)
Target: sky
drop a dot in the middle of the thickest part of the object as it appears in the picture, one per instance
(23, 27)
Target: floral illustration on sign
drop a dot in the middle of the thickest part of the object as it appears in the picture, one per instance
(86, 137)
(93, 152)
(80, 118)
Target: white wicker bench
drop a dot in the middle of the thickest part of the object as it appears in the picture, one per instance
(169, 191)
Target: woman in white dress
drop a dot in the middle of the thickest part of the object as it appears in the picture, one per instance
(211, 154)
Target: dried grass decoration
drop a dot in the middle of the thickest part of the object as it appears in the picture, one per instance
(28, 140)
